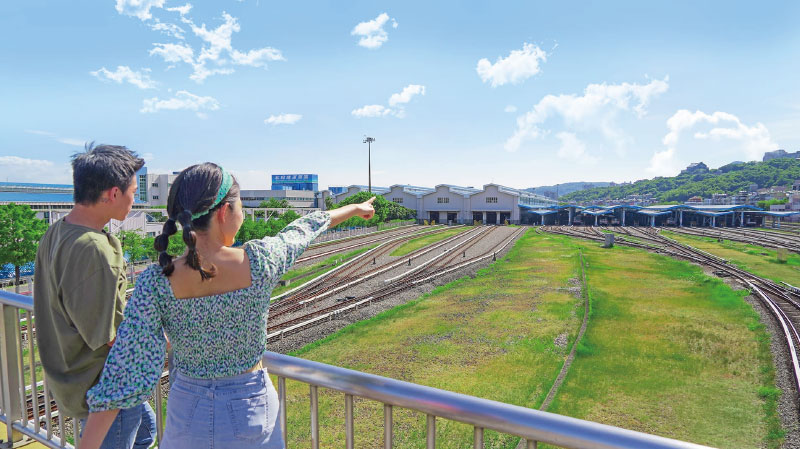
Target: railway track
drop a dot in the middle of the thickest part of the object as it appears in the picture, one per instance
(346, 274)
(783, 301)
(308, 298)
(358, 242)
(753, 237)
(412, 278)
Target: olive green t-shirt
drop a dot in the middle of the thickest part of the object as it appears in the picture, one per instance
(78, 299)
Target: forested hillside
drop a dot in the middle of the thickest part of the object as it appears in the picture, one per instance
(728, 179)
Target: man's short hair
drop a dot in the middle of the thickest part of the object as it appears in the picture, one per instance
(100, 168)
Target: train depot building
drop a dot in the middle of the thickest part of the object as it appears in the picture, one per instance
(452, 204)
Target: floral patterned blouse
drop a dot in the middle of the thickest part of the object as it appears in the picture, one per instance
(212, 336)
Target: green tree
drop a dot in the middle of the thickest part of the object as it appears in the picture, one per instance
(767, 203)
(20, 232)
(134, 245)
(384, 210)
(274, 203)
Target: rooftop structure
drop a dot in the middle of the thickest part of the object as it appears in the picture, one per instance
(25, 192)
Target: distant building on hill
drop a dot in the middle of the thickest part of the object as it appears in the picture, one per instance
(780, 154)
(695, 200)
(695, 167)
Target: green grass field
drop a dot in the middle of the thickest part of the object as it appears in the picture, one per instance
(419, 242)
(755, 259)
(668, 350)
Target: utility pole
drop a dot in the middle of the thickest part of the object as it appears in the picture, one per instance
(368, 141)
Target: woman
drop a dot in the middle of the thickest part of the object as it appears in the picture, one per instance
(212, 304)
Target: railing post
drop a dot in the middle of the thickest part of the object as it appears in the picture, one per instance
(32, 367)
(9, 369)
(159, 398)
(387, 426)
(314, 417)
(431, 431)
(348, 420)
(477, 438)
(282, 401)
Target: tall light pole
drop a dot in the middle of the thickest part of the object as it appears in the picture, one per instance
(368, 141)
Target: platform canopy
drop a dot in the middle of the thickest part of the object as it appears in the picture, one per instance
(541, 212)
(703, 207)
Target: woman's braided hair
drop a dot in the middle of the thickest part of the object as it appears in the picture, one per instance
(193, 191)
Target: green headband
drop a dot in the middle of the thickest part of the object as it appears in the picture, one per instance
(227, 182)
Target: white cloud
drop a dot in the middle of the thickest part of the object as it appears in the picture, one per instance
(124, 74)
(596, 109)
(138, 8)
(148, 157)
(217, 51)
(753, 140)
(20, 169)
(574, 149)
(169, 29)
(397, 101)
(182, 10)
(510, 108)
(741, 140)
(372, 33)
(663, 163)
(65, 140)
(372, 110)
(283, 119)
(407, 94)
(515, 68)
(257, 58)
(181, 100)
(173, 52)
(218, 39)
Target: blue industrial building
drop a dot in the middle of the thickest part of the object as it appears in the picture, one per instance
(295, 182)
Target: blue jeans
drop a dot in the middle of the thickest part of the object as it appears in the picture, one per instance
(133, 427)
(239, 412)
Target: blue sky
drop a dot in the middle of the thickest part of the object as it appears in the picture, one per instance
(517, 93)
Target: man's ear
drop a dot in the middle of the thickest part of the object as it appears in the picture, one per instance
(109, 194)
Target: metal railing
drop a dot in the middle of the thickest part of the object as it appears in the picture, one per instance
(22, 415)
(532, 426)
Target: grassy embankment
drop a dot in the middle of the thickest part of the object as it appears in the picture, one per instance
(668, 350)
(419, 242)
(758, 260)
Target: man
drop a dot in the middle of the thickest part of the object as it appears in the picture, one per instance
(79, 289)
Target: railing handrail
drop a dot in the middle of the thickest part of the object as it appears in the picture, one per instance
(524, 422)
(16, 300)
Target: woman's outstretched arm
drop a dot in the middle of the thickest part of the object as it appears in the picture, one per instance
(363, 210)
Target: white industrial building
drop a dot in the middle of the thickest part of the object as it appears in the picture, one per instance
(447, 203)
(352, 190)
